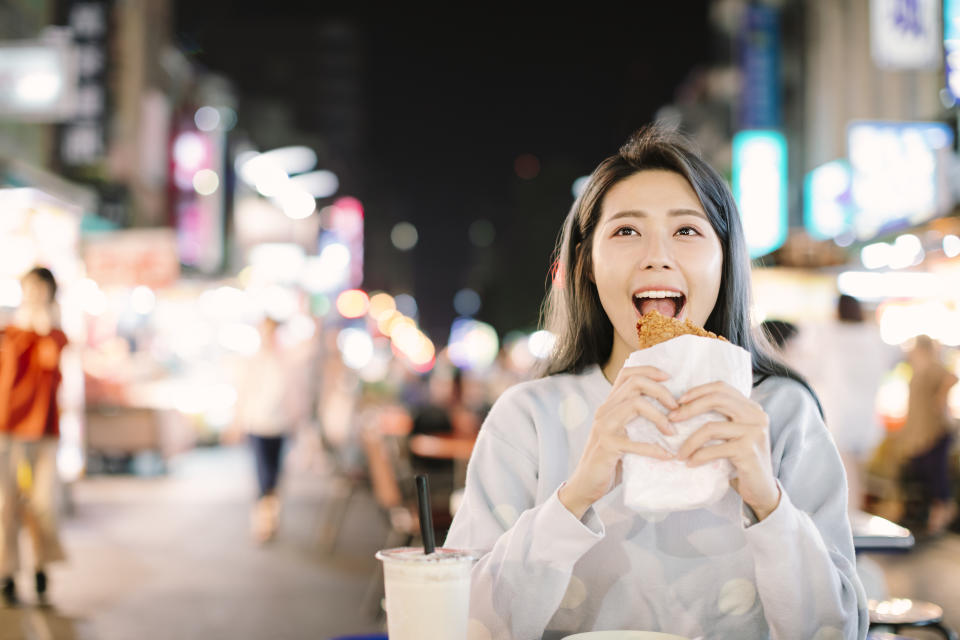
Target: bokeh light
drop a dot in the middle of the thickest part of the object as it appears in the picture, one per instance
(207, 118)
(527, 166)
(579, 185)
(356, 346)
(876, 255)
(466, 302)
(482, 233)
(541, 344)
(406, 305)
(189, 150)
(142, 299)
(296, 203)
(353, 303)
(381, 303)
(404, 236)
(228, 118)
(473, 344)
(206, 182)
(951, 246)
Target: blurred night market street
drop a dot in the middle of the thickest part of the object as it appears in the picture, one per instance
(261, 267)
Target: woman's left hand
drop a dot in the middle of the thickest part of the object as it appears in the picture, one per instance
(744, 440)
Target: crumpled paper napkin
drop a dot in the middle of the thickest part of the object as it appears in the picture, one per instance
(653, 485)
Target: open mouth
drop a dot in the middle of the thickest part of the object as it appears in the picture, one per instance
(668, 303)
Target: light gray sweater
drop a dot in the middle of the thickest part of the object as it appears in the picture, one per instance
(710, 573)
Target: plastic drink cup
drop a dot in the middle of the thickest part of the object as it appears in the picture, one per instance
(428, 596)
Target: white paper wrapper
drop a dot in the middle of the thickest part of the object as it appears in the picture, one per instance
(652, 485)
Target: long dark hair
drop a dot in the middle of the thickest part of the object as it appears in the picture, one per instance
(572, 309)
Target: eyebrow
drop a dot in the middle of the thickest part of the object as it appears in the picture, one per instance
(673, 213)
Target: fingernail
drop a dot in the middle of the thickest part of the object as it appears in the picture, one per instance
(673, 415)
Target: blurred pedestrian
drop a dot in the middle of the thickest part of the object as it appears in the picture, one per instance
(266, 412)
(924, 441)
(845, 361)
(30, 350)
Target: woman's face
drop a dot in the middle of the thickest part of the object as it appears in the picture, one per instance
(36, 292)
(654, 248)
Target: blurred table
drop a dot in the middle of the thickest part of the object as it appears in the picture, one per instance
(446, 446)
(873, 533)
(443, 446)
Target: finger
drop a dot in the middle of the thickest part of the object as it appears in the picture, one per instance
(648, 449)
(731, 450)
(626, 373)
(704, 389)
(734, 406)
(708, 432)
(656, 390)
(643, 381)
(630, 408)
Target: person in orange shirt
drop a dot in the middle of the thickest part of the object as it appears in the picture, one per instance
(30, 349)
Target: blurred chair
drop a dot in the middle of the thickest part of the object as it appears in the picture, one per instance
(386, 445)
(349, 476)
(899, 613)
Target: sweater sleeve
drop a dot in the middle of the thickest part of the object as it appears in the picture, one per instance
(803, 552)
(527, 550)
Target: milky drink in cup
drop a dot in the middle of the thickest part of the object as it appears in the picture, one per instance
(428, 596)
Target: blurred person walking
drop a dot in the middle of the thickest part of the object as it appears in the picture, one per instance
(30, 350)
(925, 439)
(845, 361)
(266, 412)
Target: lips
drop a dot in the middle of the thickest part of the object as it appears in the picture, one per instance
(669, 302)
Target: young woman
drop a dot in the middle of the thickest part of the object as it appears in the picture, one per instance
(543, 501)
(30, 350)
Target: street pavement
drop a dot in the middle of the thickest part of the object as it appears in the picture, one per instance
(171, 557)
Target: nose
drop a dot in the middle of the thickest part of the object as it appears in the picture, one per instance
(656, 253)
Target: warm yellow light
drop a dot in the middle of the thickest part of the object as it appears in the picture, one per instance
(352, 303)
(380, 303)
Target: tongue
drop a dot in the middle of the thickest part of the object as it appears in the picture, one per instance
(664, 305)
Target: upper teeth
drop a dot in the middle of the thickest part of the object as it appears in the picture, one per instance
(658, 294)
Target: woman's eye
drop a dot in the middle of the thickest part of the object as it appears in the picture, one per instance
(625, 231)
(687, 231)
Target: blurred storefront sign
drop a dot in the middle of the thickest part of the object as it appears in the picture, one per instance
(905, 34)
(197, 195)
(83, 141)
(760, 67)
(39, 79)
(900, 174)
(133, 257)
(760, 188)
(951, 46)
(827, 205)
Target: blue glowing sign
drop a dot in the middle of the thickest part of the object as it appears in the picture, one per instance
(760, 188)
(951, 45)
(827, 210)
(900, 174)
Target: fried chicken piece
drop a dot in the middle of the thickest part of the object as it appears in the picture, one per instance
(654, 328)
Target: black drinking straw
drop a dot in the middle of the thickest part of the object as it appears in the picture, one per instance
(426, 515)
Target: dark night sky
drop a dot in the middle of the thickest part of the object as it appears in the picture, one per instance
(446, 103)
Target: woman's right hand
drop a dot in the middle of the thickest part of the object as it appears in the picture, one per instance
(598, 469)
